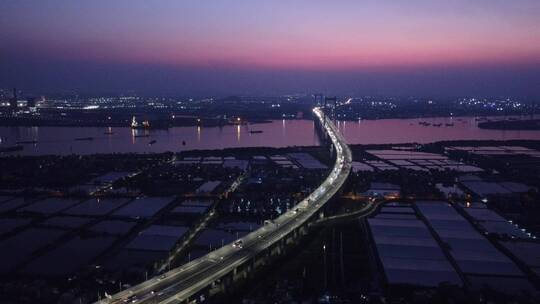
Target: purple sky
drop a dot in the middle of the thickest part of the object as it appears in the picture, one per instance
(421, 47)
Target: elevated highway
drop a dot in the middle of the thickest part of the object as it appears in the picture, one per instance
(366, 210)
(233, 261)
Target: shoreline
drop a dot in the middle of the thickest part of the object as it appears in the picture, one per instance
(251, 150)
(211, 122)
(159, 125)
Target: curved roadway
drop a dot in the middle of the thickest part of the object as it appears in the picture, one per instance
(179, 284)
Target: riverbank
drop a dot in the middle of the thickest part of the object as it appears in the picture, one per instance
(155, 124)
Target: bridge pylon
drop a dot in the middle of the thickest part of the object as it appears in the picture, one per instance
(318, 99)
(334, 106)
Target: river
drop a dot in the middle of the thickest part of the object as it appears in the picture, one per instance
(278, 133)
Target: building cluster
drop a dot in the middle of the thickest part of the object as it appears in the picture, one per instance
(371, 107)
(125, 220)
(15, 104)
(455, 219)
(434, 243)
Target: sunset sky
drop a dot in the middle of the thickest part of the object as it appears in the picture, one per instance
(271, 47)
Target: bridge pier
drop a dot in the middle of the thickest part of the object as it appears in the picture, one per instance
(248, 271)
(242, 274)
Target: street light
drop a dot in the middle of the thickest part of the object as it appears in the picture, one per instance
(324, 264)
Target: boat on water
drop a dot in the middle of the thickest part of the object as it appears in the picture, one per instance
(84, 138)
(152, 142)
(136, 125)
(141, 135)
(255, 131)
(183, 142)
(12, 149)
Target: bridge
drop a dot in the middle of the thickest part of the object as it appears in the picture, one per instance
(369, 208)
(221, 268)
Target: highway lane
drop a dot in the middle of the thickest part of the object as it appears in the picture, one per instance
(182, 282)
(200, 226)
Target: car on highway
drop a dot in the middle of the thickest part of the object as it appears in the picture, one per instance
(238, 244)
(131, 299)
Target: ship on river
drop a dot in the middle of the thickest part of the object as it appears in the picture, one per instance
(136, 125)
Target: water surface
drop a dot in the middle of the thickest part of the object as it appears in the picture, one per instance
(278, 133)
